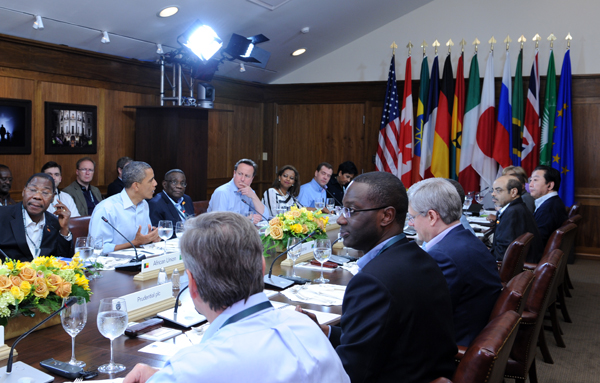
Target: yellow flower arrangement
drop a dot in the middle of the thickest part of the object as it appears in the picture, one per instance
(40, 284)
(297, 222)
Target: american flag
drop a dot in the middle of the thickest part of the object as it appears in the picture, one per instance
(389, 131)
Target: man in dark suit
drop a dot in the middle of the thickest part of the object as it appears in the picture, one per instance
(514, 219)
(434, 210)
(337, 185)
(117, 185)
(397, 313)
(27, 230)
(172, 204)
(550, 212)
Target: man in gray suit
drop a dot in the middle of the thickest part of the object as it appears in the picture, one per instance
(86, 196)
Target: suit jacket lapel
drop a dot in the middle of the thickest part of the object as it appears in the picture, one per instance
(18, 228)
(171, 208)
(47, 246)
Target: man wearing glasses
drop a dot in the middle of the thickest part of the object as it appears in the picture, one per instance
(28, 231)
(6, 180)
(237, 195)
(514, 219)
(86, 196)
(172, 204)
(397, 313)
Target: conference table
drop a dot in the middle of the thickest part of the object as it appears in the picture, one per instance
(94, 349)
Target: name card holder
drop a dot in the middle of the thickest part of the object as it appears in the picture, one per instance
(148, 302)
(151, 266)
(4, 349)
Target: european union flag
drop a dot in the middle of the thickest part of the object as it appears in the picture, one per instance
(562, 145)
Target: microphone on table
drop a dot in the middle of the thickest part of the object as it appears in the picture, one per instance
(4, 254)
(177, 300)
(252, 207)
(283, 281)
(136, 263)
(70, 302)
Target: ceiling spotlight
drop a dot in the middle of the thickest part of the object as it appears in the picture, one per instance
(168, 11)
(159, 49)
(298, 52)
(38, 23)
(105, 39)
(242, 67)
(202, 40)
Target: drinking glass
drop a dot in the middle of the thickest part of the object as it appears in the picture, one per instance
(479, 197)
(319, 203)
(330, 205)
(73, 319)
(85, 248)
(98, 244)
(294, 253)
(165, 232)
(112, 321)
(468, 201)
(179, 228)
(322, 251)
(280, 208)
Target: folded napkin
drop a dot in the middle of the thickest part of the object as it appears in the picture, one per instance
(351, 267)
(322, 294)
(109, 263)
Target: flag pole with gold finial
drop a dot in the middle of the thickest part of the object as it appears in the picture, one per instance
(551, 38)
(393, 46)
(476, 42)
(436, 44)
(537, 39)
(522, 40)
(507, 40)
(409, 46)
(424, 46)
(462, 45)
(492, 41)
(569, 38)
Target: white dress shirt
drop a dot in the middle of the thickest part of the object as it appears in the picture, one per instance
(120, 211)
(33, 233)
(265, 347)
(68, 201)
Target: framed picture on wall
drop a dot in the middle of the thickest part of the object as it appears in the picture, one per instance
(70, 128)
(15, 126)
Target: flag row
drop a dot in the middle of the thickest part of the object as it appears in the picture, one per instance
(460, 133)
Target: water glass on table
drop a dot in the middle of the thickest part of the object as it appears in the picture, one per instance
(468, 200)
(319, 203)
(330, 205)
(293, 252)
(179, 228)
(165, 232)
(112, 322)
(98, 244)
(322, 252)
(84, 246)
(73, 319)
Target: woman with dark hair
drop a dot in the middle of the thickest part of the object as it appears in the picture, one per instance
(284, 190)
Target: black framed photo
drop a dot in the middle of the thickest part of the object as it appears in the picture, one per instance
(15, 126)
(70, 128)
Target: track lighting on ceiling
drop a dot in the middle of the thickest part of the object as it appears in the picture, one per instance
(242, 67)
(38, 23)
(105, 39)
(159, 49)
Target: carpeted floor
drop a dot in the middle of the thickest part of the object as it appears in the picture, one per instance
(579, 362)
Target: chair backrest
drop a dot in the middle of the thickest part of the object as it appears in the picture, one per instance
(574, 210)
(514, 294)
(568, 240)
(486, 357)
(514, 257)
(524, 349)
(200, 207)
(574, 219)
(79, 228)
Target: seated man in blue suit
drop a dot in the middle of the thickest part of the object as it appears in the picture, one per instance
(550, 212)
(397, 313)
(28, 231)
(172, 204)
(434, 211)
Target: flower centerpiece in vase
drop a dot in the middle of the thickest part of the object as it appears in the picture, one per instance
(293, 223)
(38, 287)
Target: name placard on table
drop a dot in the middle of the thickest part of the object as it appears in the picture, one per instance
(155, 263)
(143, 303)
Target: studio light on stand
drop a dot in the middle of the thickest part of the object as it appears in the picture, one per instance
(202, 40)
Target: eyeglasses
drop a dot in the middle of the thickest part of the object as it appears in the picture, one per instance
(347, 212)
(44, 193)
(86, 170)
(6, 179)
(175, 183)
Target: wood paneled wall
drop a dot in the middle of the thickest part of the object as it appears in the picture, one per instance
(299, 124)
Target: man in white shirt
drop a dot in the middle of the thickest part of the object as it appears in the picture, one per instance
(54, 170)
(248, 339)
(127, 211)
